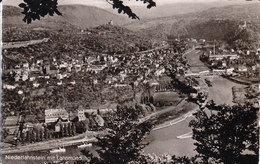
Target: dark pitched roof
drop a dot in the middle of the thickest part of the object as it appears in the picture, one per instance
(11, 121)
(60, 119)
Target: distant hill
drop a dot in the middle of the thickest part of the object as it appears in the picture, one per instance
(189, 20)
(214, 23)
(85, 24)
(11, 11)
(249, 12)
(76, 15)
(106, 38)
(174, 9)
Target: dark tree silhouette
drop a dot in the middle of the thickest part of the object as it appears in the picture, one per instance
(223, 135)
(35, 9)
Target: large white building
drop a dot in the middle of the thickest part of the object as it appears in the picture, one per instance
(81, 114)
(52, 115)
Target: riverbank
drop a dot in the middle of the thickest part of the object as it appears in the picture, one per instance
(241, 81)
(168, 139)
(177, 118)
(174, 113)
(169, 126)
(89, 136)
(169, 112)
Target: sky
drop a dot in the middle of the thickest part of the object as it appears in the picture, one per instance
(104, 4)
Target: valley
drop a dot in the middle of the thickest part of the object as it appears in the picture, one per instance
(92, 70)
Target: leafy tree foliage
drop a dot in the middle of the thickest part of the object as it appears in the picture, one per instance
(167, 159)
(35, 9)
(181, 86)
(118, 4)
(226, 133)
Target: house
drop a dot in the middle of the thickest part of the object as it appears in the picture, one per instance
(46, 69)
(27, 127)
(52, 115)
(60, 76)
(224, 64)
(59, 83)
(120, 85)
(10, 124)
(63, 65)
(153, 83)
(26, 66)
(73, 82)
(242, 68)
(11, 121)
(78, 67)
(99, 120)
(95, 69)
(9, 87)
(81, 114)
(254, 67)
(160, 71)
(230, 70)
(91, 59)
(32, 78)
(61, 124)
(25, 77)
(95, 81)
(109, 79)
(53, 70)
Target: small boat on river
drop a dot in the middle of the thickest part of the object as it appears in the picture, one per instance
(59, 150)
(85, 145)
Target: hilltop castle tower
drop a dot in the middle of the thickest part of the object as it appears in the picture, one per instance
(244, 25)
(110, 22)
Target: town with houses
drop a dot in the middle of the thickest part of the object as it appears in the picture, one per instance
(69, 92)
(116, 78)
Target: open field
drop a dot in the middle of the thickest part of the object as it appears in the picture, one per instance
(167, 98)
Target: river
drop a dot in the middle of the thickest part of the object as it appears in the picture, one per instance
(166, 140)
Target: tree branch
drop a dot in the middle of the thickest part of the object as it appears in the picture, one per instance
(35, 9)
(109, 2)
